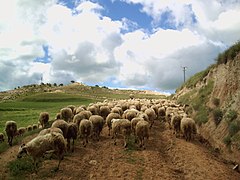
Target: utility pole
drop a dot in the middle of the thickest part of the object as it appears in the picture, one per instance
(41, 78)
(184, 72)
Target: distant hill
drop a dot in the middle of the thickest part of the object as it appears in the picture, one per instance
(214, 95)
(94, 92)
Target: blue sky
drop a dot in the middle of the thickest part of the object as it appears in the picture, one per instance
(134, 44)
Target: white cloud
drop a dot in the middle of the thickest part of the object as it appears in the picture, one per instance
(87, 46)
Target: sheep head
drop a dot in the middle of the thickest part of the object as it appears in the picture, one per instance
(22, 150)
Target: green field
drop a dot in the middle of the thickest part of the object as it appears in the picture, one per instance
(25, 111)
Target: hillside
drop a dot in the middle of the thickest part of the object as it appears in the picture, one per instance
(214, 95)
(93, 92)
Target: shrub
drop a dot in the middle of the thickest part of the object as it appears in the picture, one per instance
(216, 101)
(232, 114)
(227, 140)
(201, 115)
(217, 115)
(233, 128)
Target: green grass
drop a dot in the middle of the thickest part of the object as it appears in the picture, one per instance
(26, 111)
(19, 168)
(16, 140)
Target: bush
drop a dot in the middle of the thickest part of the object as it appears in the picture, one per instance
(217, 115)
(233, 128)
(216, 101)
(232, 114)
(227, 140)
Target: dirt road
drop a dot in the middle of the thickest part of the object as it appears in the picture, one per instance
(165, 157)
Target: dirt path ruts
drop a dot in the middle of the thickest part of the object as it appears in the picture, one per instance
(165, 157)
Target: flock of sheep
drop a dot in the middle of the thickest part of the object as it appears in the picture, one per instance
(122, 117)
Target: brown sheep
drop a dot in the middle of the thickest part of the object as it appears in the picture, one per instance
(11, 130)
(61, 124)
(175, 124)
(71, 134)
(85, 130)
(188, 128)
(1, 137)
(66, 114)
(104, 111)
(142, 132)
(123, 127)
(97, 123)
(151, 115)
(43, 119)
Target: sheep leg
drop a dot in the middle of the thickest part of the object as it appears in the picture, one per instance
(73, 145)
(68, 144)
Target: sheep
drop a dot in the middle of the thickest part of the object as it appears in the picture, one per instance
(143, 115)
(78, 110)
(130, 115)
(66, 114)
(72, 133)
(104, 111)
(117, 110)
(134, 122)
(34, 126)
(58, 116)
(121, 126)
(86, 114)
(43, 119)
(188, 128)
(131, 96)
(142, 132)
(175, 123)
(21, 131)
(11, 130)
(77, 119)
(61, 124)
(49, 130)
(1, 137)
(29, 128)
(151, 115)
(93, 109)
(109, 120)
(97, 123)
(161, 113)
(38, 146)
(72, 107)
(85, 130)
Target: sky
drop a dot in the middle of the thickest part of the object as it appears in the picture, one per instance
(135, 44)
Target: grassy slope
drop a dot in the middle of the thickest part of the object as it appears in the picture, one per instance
(26, 108)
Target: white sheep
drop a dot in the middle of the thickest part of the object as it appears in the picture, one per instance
(85, 130)
(109, 120)
(38, 146)
(142, 132)
(43, 119)
(49, 130)
(123, 127)
(11, 130)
